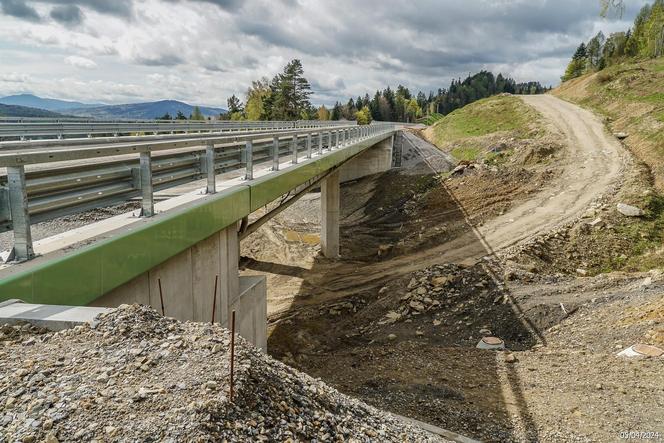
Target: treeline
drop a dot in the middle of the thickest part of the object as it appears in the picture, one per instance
(403, 106)
(286, 97)
(644, 40)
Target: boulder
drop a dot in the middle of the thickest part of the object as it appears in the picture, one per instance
(629, 210)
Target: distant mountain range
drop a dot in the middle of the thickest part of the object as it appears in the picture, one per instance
(25, 111)
(50, 104)
(149, 110)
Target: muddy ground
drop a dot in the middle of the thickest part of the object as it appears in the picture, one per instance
(396, 320)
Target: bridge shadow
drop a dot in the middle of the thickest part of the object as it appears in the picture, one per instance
(362, 325)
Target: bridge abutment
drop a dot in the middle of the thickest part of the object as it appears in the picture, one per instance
(188, 288)
(376, 159)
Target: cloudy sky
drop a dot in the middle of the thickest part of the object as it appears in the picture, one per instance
(202, 51)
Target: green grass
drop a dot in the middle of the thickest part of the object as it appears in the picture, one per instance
(493, 114)
(658, 65)
(657, 98)
(498, 158)
(469, 153)
(432, 119)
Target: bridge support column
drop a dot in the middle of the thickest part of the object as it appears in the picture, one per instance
(330, 203)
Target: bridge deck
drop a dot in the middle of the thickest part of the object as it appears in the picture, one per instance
(77, 268)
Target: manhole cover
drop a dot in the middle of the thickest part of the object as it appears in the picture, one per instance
(650, 351)
(641, 350)
(491, 343)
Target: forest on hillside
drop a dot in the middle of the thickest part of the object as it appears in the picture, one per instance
(403, 106)
(644, 40)
(286, 97)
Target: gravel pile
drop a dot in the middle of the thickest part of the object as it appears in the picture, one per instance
(137, 376)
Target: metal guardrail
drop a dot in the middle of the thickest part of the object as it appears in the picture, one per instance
(140, 166)
(34, 128)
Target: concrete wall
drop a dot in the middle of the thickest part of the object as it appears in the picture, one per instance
(376, 159)
(251, 310)
(187, 284)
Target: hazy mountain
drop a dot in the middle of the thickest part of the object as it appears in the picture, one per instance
(49, 104)
(149, 110)
(25, 111)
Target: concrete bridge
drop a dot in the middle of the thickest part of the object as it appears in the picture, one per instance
(178, 254)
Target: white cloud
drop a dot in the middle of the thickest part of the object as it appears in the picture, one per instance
(80, 62)
(205, 50)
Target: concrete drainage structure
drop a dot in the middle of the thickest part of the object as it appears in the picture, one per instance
(492, 343)
(641, 351)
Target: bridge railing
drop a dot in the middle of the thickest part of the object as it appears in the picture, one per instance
(70, 176)
(42, 128)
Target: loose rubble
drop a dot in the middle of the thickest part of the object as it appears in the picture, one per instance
(138, 376)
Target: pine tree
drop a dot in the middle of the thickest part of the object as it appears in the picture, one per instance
(291, 93)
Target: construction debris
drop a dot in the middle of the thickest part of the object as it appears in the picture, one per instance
(138, 376)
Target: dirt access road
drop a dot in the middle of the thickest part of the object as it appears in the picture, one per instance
(595, 160)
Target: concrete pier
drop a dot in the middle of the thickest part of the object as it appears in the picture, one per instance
(330, 203)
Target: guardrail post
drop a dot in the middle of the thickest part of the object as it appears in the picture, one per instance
(320, 143)
(336, 139)
(308, 145)
(147, 196)
(209, 168)
(294, 150)
(275, 153)
(249, 158)
(18, 207)
(329, 140)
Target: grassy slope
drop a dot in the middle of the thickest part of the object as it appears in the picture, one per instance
(631, 97)
(461, 128)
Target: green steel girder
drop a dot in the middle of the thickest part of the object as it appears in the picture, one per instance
(83, 275)
(270, 187)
